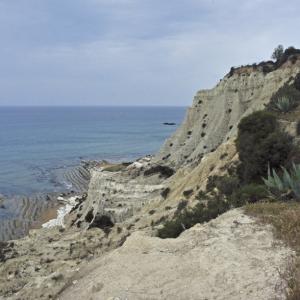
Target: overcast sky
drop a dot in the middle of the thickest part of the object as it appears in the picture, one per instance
(132, 52)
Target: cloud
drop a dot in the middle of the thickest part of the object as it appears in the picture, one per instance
(139, 52)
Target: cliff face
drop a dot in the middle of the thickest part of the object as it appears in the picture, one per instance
(194, 151)
(215, 113)
(131, 202)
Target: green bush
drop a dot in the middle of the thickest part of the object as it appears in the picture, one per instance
(260, 124)
(229, 194)
(217, 204)
(297, 82)
(226, 185)
(187, 193)
(201, 195)
(189, 217)
(165, 192)
(275, 149)
(181, 206)
(298, 128)
(171, 229)
(278, 52)
(260, 142)
(291, 53)
(211, 183)
(249, 193)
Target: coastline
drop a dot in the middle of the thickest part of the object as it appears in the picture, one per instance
(49, 209)
(45, 216)
(66, 206)
(100, 134)
(23, 213)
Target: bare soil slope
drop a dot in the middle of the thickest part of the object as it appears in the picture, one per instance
(228, 258)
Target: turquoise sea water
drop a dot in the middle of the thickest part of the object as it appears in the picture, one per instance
(37, 143)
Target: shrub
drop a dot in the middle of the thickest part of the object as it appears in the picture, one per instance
(187, 193)
(290, 53)
(297, 82)
(201, 195)
(211, 183)
(230, 74)
(293, 158)
(171, 229)
(267, 68)
(189, 217)
(226, 185)
(181, 206)
(278, 52)
(298, 128)
(217, 204)
(293, 59)
(275, 149)
(224, 155)
(260, 123)
(163, 171)
(165, 192)
(249, 193)
(260, 142)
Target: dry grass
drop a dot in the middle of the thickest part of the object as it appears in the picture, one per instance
(285, 218)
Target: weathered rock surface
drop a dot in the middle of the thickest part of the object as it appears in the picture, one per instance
(228, 258)
(42, 264)
(119, 194)
(215, 113)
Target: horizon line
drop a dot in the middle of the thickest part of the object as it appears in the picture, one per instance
(56, 106)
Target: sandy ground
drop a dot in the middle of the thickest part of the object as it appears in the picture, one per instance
(47, 215)
(231, 257)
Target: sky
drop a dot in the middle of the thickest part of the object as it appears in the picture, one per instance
(133, 52)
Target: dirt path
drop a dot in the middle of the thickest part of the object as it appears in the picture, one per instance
(231, 257)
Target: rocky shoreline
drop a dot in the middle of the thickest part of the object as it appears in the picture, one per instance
(23, 213)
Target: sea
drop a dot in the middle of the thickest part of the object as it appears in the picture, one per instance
(39, 145)
(36, 143)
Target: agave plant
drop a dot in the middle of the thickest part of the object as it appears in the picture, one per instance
(275, 184)
(289, 182)
(294, 180)
(283, 104)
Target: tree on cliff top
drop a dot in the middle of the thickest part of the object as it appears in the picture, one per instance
(278, 52)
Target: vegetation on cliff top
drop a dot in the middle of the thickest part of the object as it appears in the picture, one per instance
(280, 55)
